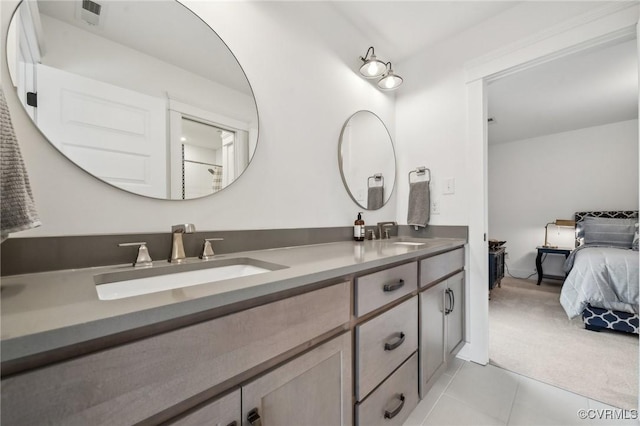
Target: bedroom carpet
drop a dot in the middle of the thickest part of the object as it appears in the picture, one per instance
(530, 334)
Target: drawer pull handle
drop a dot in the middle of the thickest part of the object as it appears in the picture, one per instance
(391, 414)
(393, 287)
(254, 418)
(394, 345)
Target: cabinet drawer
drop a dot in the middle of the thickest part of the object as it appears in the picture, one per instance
(383, 343)
(375, 290)
(137, 380)
(223, 411)
(436, 267)
(394, 400)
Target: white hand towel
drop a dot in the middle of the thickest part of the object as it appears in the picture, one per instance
(17, 209)
(419, 204)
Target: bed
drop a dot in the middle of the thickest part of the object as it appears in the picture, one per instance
(602, 272)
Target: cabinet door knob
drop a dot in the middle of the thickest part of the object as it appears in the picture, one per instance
(394, 345)
(448, 310)
(391, 414)
(394, 286)
(254, 418)
(233, 423)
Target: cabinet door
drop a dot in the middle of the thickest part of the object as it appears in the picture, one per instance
(224, 411)
(455, 317)
(312, 389)
(431, 332)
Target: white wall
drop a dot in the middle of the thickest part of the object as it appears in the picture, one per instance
(535, 181)
(431, 111)
(293, 180)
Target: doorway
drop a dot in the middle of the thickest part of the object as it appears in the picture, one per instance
(612, 23)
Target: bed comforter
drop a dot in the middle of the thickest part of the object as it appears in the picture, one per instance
(602, 276)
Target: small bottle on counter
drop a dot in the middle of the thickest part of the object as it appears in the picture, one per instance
(358, 228)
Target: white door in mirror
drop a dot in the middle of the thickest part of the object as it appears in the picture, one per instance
(109, 131)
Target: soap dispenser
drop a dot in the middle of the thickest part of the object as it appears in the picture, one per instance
(358, 228)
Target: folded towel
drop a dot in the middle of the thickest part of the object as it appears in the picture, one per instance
(419, 204)
(375, 197)
(17, 209)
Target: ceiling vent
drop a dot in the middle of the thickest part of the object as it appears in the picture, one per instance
(90, 12)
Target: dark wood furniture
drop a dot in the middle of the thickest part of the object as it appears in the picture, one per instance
(496, 266)
(550, 250)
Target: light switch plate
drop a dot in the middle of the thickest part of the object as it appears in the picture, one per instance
(449, 186)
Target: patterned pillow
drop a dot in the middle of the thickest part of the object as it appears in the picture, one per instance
(612, 232)
(636, 239)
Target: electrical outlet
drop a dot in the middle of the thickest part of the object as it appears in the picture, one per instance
(435, 207)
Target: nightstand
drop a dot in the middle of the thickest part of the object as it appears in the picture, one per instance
(550, 250)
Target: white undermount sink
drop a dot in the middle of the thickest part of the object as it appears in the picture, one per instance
(119, 285)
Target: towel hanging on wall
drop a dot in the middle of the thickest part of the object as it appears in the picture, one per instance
(419, 200)
(375, 197)
(375, 193)
(17, 209)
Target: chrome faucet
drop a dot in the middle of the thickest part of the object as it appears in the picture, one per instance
(385, 226)
(177, 246)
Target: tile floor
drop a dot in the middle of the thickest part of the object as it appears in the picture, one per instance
(471, 394)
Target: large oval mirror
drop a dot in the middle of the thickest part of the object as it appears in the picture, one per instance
(141, 94)
(367, 160)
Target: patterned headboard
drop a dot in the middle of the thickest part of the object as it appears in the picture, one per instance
(613, 214)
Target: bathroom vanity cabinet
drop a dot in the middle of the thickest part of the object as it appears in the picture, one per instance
(442, 289)
(357, 348)
(386, 386)
(313, 388)
(153, 377)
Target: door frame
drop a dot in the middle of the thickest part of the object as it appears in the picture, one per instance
(603, 25)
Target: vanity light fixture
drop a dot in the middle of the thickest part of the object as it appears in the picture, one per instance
(372, 67)
(389, 80)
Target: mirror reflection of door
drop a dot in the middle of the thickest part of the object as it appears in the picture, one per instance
(211, 157)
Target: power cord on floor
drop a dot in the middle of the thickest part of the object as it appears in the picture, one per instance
(544, 256)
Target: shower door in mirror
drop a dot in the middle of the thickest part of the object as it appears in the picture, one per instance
(205, 156)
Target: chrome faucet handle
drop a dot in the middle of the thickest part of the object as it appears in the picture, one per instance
(207, 248)
(371, 234)
(143, 258)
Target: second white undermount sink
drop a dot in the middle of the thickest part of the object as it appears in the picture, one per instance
(119, 285)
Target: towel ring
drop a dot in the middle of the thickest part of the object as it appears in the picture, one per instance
(420, 171)
(376, 178)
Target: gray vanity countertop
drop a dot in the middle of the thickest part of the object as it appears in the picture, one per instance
(52, 310)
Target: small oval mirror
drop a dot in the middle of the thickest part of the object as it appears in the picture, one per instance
(367, 160)
(141, 94)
